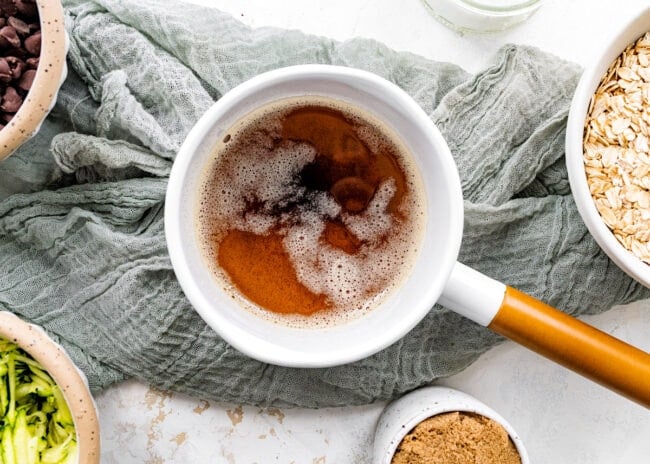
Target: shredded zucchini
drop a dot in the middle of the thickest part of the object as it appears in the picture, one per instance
(36, 426)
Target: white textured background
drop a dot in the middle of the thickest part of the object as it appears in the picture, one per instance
(561, 417)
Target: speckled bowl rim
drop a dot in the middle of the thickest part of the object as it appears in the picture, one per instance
(50, 74)
(395, 423)
(68, 377)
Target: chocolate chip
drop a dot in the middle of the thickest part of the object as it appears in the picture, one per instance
(8, 7)
(32, 63)
(22, 28)
(11, 100)
(27, 79)
(27, 8)
(16, 65)
(33, 43)
(5, 71)
(9, 37)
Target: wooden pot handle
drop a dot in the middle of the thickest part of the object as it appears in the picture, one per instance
(574, 344)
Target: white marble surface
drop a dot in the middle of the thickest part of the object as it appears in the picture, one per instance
(561, 417)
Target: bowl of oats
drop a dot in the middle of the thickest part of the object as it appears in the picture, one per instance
(608, 148)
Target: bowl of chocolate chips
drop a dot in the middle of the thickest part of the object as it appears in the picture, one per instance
(33, 48)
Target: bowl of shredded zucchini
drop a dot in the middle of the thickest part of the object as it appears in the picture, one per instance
(47, 414)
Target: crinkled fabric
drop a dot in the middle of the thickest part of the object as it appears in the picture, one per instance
(82, 246)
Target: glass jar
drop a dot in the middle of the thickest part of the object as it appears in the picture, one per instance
(482, 15)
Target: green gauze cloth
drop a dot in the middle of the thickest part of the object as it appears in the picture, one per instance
(82, 248)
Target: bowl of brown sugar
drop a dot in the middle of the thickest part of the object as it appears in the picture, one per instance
(438, 425)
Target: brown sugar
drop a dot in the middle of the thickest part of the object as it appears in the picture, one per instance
(457, 438)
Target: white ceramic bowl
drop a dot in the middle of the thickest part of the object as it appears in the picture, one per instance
(67, 376)
(574, 152)
(403, 414)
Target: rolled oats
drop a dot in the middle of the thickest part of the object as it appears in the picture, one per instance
(616, 148)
